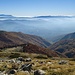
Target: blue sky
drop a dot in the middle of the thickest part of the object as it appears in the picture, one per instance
(37, 7)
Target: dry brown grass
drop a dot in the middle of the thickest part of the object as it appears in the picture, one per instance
(50, 69)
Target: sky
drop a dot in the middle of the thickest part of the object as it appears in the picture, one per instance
(37, 7)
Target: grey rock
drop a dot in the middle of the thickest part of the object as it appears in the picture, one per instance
(42, 62)
(48, 63)
(62, 62)
(12, 71)
(39, 72)
(20, 59)
(28, 59)
(26, 67)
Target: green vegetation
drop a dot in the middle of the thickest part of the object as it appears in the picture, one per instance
(40, 56)
(14, 55)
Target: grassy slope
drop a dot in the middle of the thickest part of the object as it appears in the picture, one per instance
(50, 69)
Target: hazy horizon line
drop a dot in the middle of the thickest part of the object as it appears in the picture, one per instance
(34, 15)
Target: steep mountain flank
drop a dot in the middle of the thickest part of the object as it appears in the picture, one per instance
(17, 38)
(65, 47)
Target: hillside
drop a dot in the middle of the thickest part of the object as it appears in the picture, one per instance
(20, 63)
(65, 47)
(17, 38)
(30, 48)
(57, 38)
(69, 36)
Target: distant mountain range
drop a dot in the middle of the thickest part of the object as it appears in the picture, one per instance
(7, 17)
(8, 39)
(4, 15)
(47, 27)
(65, 46)
(54, 17)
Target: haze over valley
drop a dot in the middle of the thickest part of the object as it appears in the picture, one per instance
(47, 27)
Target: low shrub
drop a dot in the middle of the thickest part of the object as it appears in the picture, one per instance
(14, 55)
(41, 57)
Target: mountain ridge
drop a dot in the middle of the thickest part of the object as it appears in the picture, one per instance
(54, 17)
(44, 16)
(69, 36)
(17, 38)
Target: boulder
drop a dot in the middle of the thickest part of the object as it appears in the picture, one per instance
(39, 72)
(42, 62)
(12, 71)
(12, 61)
(1, 73)
(26, 67)
(62, 62)
(20, 59)
(48, 63)
(28, 59)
